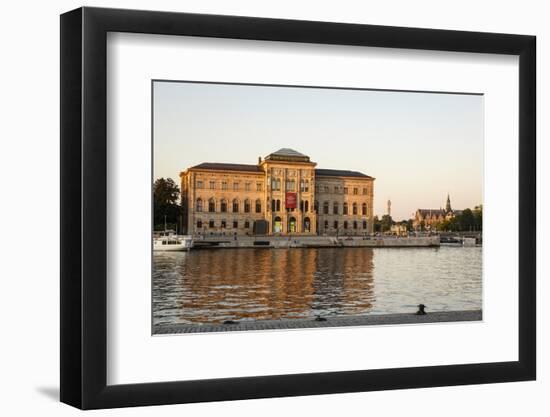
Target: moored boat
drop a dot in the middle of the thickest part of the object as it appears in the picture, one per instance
(172, 242)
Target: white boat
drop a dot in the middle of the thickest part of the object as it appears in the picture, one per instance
(172, 242)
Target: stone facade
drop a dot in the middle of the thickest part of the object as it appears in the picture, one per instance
(429, 218)
(283, 194)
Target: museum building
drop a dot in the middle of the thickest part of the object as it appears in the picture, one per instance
(284, 193)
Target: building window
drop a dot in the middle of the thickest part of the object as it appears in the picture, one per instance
(327, 189)
(199, 224)
(246, 206)
(223, 206)
(273, 205)
(316, 206)
(247, 224)
(235, 186)
(345, 190)
(364, 224)
(306, 206)
(247, 186)
(223, 224)
(235, 224)
(307, 187)
(200, 184)
(325, 207)
(335, 208)
(345, 208)
(345, 224)
(290, 184)
(258, 206)
(211, 224)
(364, 209)
(211, 205)
(302, 205)
(336, 224)
(355, 225)
(278, 205)
(304, 186)
(365, 191)
(354, 208)
(258, 186)
(235, 206)
(276, 184)
(355, 191)
(199, 205)
(336, 189)
(224, 185)
(212, 185)
(326, 224)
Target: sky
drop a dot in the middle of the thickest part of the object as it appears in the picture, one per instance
(418, 146)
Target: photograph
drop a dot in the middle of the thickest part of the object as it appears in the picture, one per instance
(291, 207)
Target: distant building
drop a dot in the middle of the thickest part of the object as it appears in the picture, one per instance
(430, 218)
(282, 194)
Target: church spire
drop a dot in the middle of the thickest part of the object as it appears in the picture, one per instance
(448, 205)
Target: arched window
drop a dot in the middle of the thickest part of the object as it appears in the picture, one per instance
(278, 205)
(247, 206)
(325, 207)
(364, 209)
(301, 205)
(199, 204)
(258, 206)
(345, 208)
(211, 205)
(354, 208)
(235, 206)
(273, 205)
(223, 206)
(306, 206)
(335, 208)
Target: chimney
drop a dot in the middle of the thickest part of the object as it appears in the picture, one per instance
(259, 160)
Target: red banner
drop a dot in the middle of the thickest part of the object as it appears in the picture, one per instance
(290, 200)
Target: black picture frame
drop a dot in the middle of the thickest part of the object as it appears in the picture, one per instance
(84, 207)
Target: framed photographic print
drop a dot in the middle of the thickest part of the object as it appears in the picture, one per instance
(257, 207)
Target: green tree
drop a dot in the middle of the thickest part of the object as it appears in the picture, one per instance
(165, 203)
(478, 217)
(377, 225)
(386, 223)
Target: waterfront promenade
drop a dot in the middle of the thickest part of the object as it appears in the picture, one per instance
(306, 241)
(309, 323)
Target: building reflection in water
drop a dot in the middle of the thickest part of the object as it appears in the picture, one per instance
(212, 286)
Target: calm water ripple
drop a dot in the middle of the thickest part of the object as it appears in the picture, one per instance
(211, 286)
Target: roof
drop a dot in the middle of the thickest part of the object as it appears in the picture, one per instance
(339, 173)
(215, 166)
(431, 212)
(287, 154)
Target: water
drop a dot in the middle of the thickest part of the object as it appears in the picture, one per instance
(210, 286)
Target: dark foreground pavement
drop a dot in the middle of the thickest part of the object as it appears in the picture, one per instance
(335, 321)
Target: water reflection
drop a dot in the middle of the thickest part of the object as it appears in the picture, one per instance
(211, 286)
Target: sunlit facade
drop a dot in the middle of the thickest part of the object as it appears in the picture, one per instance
(283, 194)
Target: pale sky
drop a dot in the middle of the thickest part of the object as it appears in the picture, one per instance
(418, 146)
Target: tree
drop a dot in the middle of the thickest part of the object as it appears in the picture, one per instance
(478, 217)
(386, 223)
(165, 203)
(377, 225)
